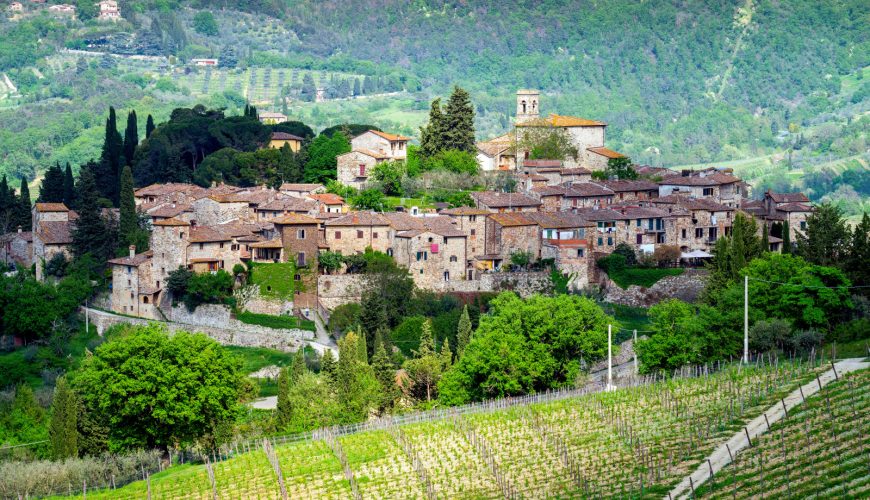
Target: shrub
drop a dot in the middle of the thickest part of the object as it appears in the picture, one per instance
(767, 335)
(857, 329)
(665, 254)
(626, 250)
(344, 317)
(804, 340)
(612, 263)
(279, 322)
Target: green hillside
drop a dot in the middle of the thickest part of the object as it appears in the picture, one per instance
(635, 442)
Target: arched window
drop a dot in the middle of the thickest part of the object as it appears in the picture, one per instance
(145, 299)
(453, 258)
(523, 106)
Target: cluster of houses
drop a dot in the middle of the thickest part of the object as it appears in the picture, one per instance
(558, 212)
(107, 9)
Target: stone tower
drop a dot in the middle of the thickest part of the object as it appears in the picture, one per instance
(528, 107)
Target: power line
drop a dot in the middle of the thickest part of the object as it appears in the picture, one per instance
(808, 286)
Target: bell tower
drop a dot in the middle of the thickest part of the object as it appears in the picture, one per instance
(528, 107)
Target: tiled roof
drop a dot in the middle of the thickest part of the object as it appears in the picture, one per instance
(54, 232)
(715, 179)
(205, 234)
(492, 148)
(557, 220)
(402, 221)
(359, 219)
(464, 211)
(169, 210)
(629, 185)
(542, 163)
(135, 261)
(291, 203)
(24, 235)
(327, 198)
(273, 243)
(51, 207)
(369, 152)
(504, 200)
(550, 190)
(388, 136)
(586, 189)
(788, 197)
(515, 219)
(575, 171)
(257, 196)
(294, 219)
(649, 171)
(555, 120)
(300, 187)
(170, 222)
(795, 207)
(169, 188)
(607, 153)
(284, 136)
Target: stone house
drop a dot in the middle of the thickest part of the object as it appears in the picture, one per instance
(586, 195)
(505, 202)
(390, 146)
(719, 186)
(355, 167)
(284, 206)
(509, 233)
(564, 238)
(52, 225)
(472, 222)
(575, 175)
(17, 248)
(704, 223)
(640, 227)
(174, 192)
(108, 11)
(631, 190)
(299, 236)
(133, 288)
(211, 250)
(330, 203)
(598, 157)
(526, 183)
(356, 231)
(550, 196)
(584, 135)
(551, 170)
(431, 255)
(169, 241)
(271, 118)
(301, 190)
(278, 139)
(221, 208)
(496, 154)
(163, 211)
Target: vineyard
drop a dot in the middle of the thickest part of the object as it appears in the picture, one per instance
(632, 442)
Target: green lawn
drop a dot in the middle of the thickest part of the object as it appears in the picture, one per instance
(270, 321)
(644, 277)
(254, 358)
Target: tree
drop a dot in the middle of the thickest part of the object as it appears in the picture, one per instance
(427, 366)
(299, 367)
(24, 214)
(205, 24)
(389, 175)
(86, 9)
(626, 251)
(69, 188)
(62, 429)
(131, 137)
(786, 238)
(826, 239)
(452, 160)
(329, 261)
(129, 232)
(356, 385)
(149, 126)
(322, 153)
(92, 233)
(432, 134)
(109, 167)
(284, 412)
(620, 168)
(730, 256)
(386, 375)
(546, 143)
(858, 263)
(52, 186)
(329, 367)
(151, 389)
(765, 238)
(463, 332)
(370, 199)
(458, 124)
(309, 89)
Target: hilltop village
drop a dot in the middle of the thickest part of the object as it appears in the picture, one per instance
(560, 215)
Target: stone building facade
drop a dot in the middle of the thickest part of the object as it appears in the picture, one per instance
(431, 257)
(356, 231)
(355, 167)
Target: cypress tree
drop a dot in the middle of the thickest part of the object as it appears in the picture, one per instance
(62, 429)
(284, 410)
(128, 227)
(432, 135)
(110, 160)
(786, 238)
(329, 368)
(91, 233)
(7, 206)
(463, 332)
(25, 217)
(446, 355)
(149, 126)
(69, 188)
(51, 187)
(386, 375)
(131, 137)
(459, 122)
(427, 341)
(299, 367)
(858, 263)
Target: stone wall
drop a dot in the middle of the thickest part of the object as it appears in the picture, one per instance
(262, 305)
(686, 287)
(337, 289)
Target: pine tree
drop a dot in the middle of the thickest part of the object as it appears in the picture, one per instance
(299, 367)
(129, 219)
(432, 134)
(62, 429)
(69, 188)
(427, 366)
(446, 355)
(149, 126)
(427, 341)
(765, 239)
(51, 187)
(786, 238)
(459, 122)
(284, 412)
(24, 217)
(91, 233)
(131, 137)
(463, 332)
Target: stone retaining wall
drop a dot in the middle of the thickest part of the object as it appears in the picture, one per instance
(686, 287)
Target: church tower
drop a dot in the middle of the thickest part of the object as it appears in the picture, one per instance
(527, 105)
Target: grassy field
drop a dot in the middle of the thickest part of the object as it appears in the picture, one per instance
(270, 321)
(633, 442)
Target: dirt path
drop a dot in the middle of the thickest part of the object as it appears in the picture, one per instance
(721, 457)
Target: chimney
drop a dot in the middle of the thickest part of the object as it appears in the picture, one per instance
(19, 229)
(132, 251)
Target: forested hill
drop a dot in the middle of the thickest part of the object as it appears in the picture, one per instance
(678, 82)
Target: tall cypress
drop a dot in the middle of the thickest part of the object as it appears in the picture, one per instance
(149, 126)
(284, 409)
(24, 218)
(765, 239)
(131, 137)
(8, 206)
(62, 429)
(459, 122)
(432, 135)
(129, 222)
(110, 160)
(91, 233)
(51, 187)
(786, 238)
(69, 187)
(463, 332)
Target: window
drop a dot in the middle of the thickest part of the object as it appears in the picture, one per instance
(129, 269)
(158, 284)
(222, 244)
(421, 271)
(453, 258)
(338, 235)
(473, 232)
(300, 234)
(145, 299)
(713, 233)
(639, 238)
(581, 233)
(234, 247)
(362, 169)
(201, 246)
(699, 232)
(708, 191)
(181, 235)
(390, 252)
(359, 234)
(609, 241)
(581, 252)
(297, 277)
(803, 225)
(131, 295)
(638, 223)
(446, 276)
(600, 241)
(684, 233)
(650, 224)
(375, 235)
(300, 259)
(472, 218)
(129, 283)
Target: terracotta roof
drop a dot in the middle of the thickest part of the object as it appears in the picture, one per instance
(294, 219)
(24, 235)
(607, 153)
(575, 171)
(135, 261)
(549, 190)
(555, 120)
(51, 207)
(301, 187)
(443, 225)
(586, 189)
(402, 221)
(716, 179)
(532, 177)
(464, 211)
(388, 136)
(168, 188)
(205, 234)
(703, 204)
(284, 136)
(359, 219)
(172, 221)
(542, 163)
(273, 243)
(200, 260)
(795, 207)
(515, 219)
(493, 147)
(557, 220)
(258, 196)
(327, 198)
(54, 232)
(290, 203)
(629, 185)
(169, 210)
(654, 171)
(788, 197)
(493, 199)
(370, 153)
